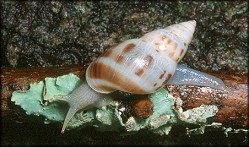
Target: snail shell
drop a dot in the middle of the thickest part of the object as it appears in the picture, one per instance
(142, 65)
(138, 66)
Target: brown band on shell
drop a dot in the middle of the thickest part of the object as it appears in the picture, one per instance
(119, 79)
(178, 59)
(175, 46)
(182, 51)
(163, 37)
(128, 48)
(161, 76)
(105, 88)
(171, 52)
(94, 70)
(169, 41)
(139, 72)
(148, 60)
(120, 59)
(167, 79)
(155, 84)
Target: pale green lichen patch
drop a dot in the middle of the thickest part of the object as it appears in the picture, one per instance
(105, 118)
(33, 101)
(30, 101)
(108, 118)
(163, 109)
(106, 115)
(199, 114)
(163, 102)
(38, 100)
(62, 85)
(135, 124)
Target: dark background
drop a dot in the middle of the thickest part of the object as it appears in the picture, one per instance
(47, 34)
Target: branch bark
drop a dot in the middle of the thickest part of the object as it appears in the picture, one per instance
(232, 102)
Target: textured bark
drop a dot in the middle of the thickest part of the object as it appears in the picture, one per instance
(232, 102)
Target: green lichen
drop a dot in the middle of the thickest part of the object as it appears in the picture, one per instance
(107, 118)
(62, 85)
(34, 102)
(199, 114)
(31, 102)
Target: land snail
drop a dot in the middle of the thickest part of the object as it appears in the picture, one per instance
(138, 66)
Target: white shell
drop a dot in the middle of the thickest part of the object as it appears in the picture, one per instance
(142, 65)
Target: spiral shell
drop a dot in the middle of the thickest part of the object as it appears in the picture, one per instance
(141, 65)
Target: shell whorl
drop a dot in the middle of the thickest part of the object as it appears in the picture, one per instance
(172, 40)
(142, 65)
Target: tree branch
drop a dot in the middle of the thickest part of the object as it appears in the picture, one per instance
(232, 102)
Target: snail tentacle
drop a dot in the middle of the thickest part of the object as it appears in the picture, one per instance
(69, 116)
(82, 98)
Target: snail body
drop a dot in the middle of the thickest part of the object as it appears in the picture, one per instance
(138, 66)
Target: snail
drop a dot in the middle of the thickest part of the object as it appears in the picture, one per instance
(138, 66)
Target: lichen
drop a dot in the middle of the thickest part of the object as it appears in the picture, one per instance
(31, 101)
(38, 100)
(199, 114)
(62, 85)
